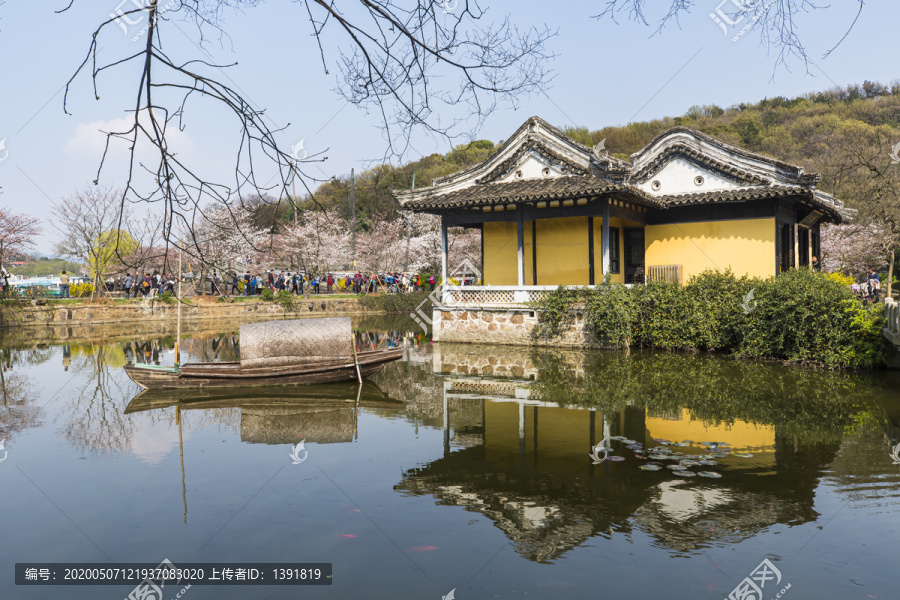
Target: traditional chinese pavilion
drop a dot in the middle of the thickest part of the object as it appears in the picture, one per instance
(553, 211)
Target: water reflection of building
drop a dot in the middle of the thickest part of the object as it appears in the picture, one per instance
(524, 464)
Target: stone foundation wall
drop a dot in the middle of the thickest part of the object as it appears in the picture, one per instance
(503, 326)
(97, 314)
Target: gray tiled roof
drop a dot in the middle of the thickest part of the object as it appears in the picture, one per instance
(583, 173)
(527, 190)
(815, 198)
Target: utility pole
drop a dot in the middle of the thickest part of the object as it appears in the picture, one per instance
(412, 186)
(352, 219)
(294, 194)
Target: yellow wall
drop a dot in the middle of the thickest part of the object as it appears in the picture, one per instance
(563, 436)
(562, 251)
(746, 246)
(758, 440)
(500, 254)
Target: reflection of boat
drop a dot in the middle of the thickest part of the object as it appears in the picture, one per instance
(321, 414)
(234, 397)
(294, 352)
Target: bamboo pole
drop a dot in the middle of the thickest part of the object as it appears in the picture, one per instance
(356, 361)
(178, 326)
(181, 452)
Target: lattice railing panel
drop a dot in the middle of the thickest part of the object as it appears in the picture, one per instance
(481, 297)
(488, 388)
(538, 295)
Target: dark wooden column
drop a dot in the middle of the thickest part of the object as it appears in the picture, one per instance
(444, 280)
(604, 239)
(520, 234)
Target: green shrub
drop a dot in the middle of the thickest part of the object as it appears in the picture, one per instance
(805, 316)
(285, 299)
(556, 311)
(167, 298)
(800, 316)
(268, 295)
(611, 314)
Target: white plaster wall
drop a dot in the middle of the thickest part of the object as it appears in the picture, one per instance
(677, 177)
(532, 166)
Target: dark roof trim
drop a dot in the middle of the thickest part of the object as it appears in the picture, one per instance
(683, 150)
(529, 190)
(566, 166)
(787, 168)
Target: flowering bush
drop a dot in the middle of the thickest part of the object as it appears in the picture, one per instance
(81, 290)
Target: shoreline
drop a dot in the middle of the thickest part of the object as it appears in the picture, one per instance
(102, 313)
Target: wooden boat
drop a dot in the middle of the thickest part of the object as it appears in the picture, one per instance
(290, 352)
(226, 374)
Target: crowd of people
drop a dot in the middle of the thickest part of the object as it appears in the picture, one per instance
(248, 284)
(143, 285)
(253, 284)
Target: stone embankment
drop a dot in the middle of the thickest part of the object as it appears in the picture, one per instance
(499, 326)
(140, 312)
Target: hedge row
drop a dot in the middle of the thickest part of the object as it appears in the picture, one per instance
(801, 316)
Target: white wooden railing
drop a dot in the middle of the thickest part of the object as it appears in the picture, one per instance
(489, 296)
(494, 295)
(892, 315)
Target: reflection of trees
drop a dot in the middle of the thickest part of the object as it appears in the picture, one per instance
(28, 355)
(94, 414)
(806, 405)
(213, 347)
(546, 507)
(863, 472)
(18, 411)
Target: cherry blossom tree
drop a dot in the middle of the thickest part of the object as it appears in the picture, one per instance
(321, 242)
(318, 242)
(224, 239)
(853, 248)
(464, 247)
(17, 234)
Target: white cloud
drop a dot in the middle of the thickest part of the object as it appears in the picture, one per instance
(89, 139)
(152, 442)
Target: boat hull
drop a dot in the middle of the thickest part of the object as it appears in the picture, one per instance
(230, 374)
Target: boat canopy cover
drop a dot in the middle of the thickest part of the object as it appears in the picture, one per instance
(295, 342)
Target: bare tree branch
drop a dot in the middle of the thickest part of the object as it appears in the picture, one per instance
(407, 65)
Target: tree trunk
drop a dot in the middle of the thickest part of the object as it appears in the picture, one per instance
(890, 272)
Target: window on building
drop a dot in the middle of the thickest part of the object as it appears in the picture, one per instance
(784, 251)
(634, 255)
(803, 246)
(614, 250)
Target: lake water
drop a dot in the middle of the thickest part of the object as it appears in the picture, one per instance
(460, 468)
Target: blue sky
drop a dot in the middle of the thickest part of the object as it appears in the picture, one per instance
(605, 74)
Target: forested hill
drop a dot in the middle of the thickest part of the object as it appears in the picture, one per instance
(845, 134)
